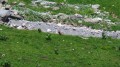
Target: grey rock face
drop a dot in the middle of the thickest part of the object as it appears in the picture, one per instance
(113, 34)
(76, 16)
(3, 1)
(54, 28)
(4, 13)
(64, 29)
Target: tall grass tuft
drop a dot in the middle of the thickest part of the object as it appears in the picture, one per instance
(3, 38)
(48, 37)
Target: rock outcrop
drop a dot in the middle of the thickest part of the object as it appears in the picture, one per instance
(6, 12)
(62, 29)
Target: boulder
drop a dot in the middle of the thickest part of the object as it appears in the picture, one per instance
(21, 4)
(62, 16)
(55, 8)
(15, 15)
(14, 3)
(46, 6)
(7, 7)
(6, 14)
(76, 16)
(96, 8)
(1, 5)
(49, 30)
(47, 3)
(93, 20)
(20, 27)
(3, 1)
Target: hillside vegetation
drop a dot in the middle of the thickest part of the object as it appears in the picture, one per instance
(110, 6)
(22, 48)
(33, 48)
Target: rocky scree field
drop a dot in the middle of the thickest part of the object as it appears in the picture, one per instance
(33, 48)
(86, 20)
(94, 14)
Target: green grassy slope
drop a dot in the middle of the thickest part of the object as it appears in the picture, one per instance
(29, 48)
(25, 48)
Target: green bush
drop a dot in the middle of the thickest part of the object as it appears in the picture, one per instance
(48, 37)
(103, 35)
(5, 64)
(3, 38)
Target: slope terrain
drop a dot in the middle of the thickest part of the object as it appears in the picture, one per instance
(33, 48)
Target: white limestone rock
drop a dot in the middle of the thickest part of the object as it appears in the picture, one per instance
(46, 6)
(55, 8)
(49, 30)
(46, 3)
(20, 27)
(4, 13)
(93, 20)
(96, 8)
(21, 4)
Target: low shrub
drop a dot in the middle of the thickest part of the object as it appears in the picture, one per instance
(103, 35)
(3, 38)
(48, 37)
(6, 64)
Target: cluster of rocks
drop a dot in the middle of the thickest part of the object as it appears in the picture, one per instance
(6, 12)
(61, 16)
(67, 19)
(43, 2)
(98, 15)
(62, 29)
